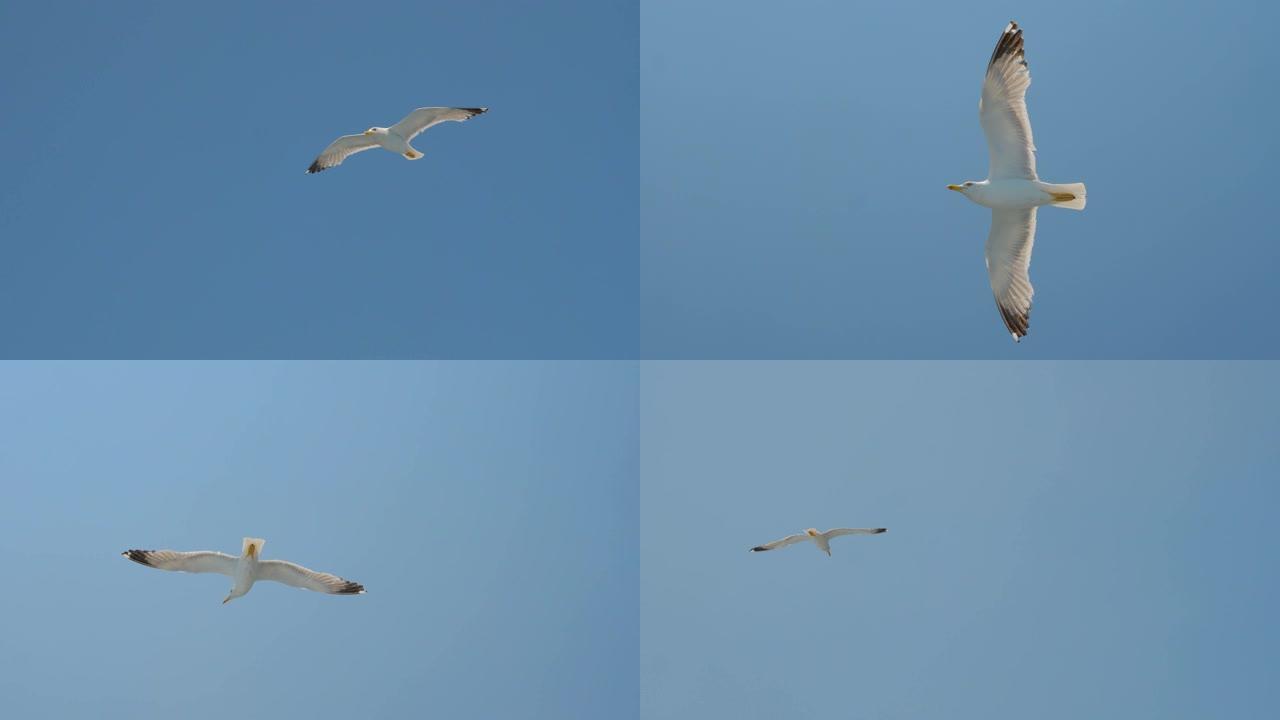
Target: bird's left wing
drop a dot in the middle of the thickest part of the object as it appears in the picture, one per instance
(423, 118)
(1013, 232)
(340, 149)
(1003, 109)
(192, 562)
(837, 532)
(298, 576)
(788, 540)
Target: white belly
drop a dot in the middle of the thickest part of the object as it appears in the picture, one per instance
(1013, 194)
(394, 143)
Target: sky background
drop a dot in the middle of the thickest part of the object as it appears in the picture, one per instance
(1064, 540)
(458, 494)
(154, 202)
(794, 158)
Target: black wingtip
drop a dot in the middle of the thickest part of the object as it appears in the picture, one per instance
(350, 588)
(138, 556)
(759, 549)
(476, 111)
(877, 531)
(315, 168)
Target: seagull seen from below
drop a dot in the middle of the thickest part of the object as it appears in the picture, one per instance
(821, 539)
(246, 569)
(1012, 190)
(395, 138)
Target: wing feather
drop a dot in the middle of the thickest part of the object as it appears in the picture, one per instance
(1003, 109)
(788, 540)
(289, 573)
(423, 118)
(1013, 232)
(340, 150)
(837, 532)
(193, 562)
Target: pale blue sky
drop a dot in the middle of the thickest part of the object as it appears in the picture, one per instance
(794, 158)
(459, 494)
(1065, 540)
(154, 204)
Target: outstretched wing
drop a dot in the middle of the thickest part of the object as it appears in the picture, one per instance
(1003, 109)
(298, 576)
(340, 149)
(423, 118)
(1013, 232)
(192, 562)
(837, 532)
(788, 540)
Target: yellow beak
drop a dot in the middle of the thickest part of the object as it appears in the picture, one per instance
(368, 132)
(957, 188)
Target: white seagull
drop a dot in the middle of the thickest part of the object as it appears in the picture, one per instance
(1013, 191)
(395, 138)
(246, 569)
(821, 539)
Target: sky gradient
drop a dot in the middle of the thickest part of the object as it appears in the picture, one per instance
(458, 494)
(154, 202)
(1065, 540)
(794, 159)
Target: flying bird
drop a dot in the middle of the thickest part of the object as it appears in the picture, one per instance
(1012, 189)
(821, 539)
(395, 138)
(246, 569)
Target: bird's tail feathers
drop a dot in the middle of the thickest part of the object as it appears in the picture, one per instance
(1069, 195)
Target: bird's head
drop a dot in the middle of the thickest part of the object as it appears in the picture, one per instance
(812, 532)
(372, 131)
(963, 187)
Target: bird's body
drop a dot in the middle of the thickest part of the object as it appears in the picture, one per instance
(395, 138)
(1012, 189)
(245, 570)
(820, 539)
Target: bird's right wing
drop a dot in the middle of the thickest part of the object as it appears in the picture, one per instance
(837, 532)
(340, 149)
(788, 540)
(1003, 109)
(1013, 232)
(192, 562)
(298, 576)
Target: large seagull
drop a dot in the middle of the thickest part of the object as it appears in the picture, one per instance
(1012, 190)
(821, 539)
(246, 569)
(395, 138)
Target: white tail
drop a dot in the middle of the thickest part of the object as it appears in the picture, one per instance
(1070, 196)
(255, 543)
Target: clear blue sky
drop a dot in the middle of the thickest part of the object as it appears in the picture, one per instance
(1065, 540)
(153, 201)
(795, 154)
(459, 494)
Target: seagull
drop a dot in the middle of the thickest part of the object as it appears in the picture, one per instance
(1012, 190)
(395, 138)
(246, 569)
(821, 539)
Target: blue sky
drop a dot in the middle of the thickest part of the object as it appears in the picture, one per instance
(794, 157)
(1065, 540)
(154, 203)
(459, 494)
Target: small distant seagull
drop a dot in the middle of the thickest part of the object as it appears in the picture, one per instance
(821, 539)
(246, 569)
(1012, 190)
(395, 138)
